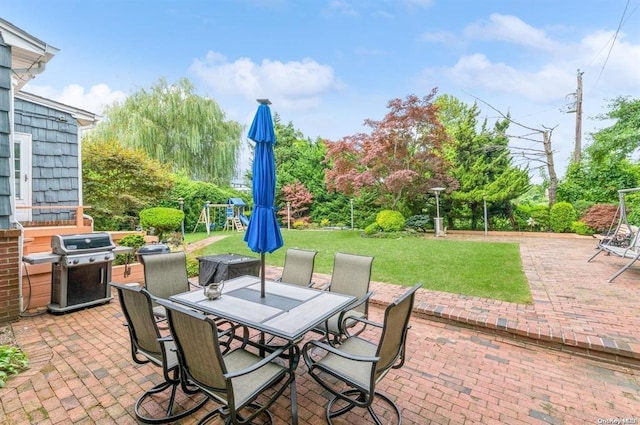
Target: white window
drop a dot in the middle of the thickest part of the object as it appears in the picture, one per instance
(22, 174)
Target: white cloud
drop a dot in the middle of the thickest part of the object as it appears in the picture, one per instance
(551, 76)
(547, 84)
(536, 84)
(294, 84)
(615, 69)
(441, 37)
(510, 29)
(95, 100)
(341, 7)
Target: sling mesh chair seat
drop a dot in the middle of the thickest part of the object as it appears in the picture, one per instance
(351, 276)
(350, 372)
(234, 379)
(298, 267)
(149, 346)
(165, 275)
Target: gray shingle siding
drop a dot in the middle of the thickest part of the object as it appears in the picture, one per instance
(54, 157)
(5, 151)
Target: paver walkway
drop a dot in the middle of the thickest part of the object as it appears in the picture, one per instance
(82, 372)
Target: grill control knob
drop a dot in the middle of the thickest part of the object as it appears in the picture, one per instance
(92, 259)
(107, 257)
(76, 261)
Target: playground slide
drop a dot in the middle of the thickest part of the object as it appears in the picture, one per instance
(244, 219)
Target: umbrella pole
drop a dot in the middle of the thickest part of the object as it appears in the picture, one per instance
(262, 268)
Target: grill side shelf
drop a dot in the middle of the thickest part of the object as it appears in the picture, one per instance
(41, 258)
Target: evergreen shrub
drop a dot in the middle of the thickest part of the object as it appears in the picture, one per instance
(390, 221)
(162, 219)
(372, 229)
(561, 217)
(581, 228)
(526, 214)
(419, 222)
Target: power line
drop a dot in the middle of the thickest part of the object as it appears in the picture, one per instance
(615, 37)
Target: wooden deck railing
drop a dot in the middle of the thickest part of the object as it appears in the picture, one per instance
(79, 214)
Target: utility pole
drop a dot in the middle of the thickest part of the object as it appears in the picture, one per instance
(578, 146)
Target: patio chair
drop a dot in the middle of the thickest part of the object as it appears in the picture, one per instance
(351, 371)
(298, 267)
(165, 275)
(148, 346)
(233, 380)
(351, 276)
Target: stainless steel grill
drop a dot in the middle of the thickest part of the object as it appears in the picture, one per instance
(80, 269)
(82, 275)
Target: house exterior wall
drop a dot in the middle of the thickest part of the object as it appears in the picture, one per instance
(5, 129)
(55, 157)
(9, 239)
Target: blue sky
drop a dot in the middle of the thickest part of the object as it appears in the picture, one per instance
(327, 65)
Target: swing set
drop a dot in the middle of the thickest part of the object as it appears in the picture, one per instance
(231, 213)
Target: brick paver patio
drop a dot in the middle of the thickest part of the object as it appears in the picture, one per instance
(470, 360)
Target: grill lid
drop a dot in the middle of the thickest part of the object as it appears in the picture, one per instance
(81, 243)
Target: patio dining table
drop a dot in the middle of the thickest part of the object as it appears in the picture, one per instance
(286, 311)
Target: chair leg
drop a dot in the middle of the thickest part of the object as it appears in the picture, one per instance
(224, 414)
(345, 395)
(169, 416)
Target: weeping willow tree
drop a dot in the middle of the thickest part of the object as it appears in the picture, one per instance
(176, 127)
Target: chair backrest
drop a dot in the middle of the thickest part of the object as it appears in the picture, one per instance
(298, 266)
(394, 333)
(138, 311)
(351, 275)
(165, 274)
(196, 338)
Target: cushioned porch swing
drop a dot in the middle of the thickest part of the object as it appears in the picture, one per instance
(622, 240)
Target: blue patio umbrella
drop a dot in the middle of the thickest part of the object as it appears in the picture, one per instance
(263, 233)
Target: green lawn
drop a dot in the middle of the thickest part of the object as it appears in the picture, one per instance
(481, 269)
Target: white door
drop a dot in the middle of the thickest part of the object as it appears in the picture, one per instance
(22, 178)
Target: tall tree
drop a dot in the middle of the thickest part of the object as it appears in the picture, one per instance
(119, 182)
(621, 139)
(400, 160)
(609, 162)
(301, 160)
(176, 127)
(481, 160)
(534, 154)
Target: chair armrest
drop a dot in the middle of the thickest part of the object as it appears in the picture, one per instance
(266, 360)
(324, 287)
(334, 350)
(195, 285)
(356, 303)
(363, 299)
(365, 321)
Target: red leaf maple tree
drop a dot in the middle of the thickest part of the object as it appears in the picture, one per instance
(402, 156)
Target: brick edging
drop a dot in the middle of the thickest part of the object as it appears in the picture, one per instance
(589, 346)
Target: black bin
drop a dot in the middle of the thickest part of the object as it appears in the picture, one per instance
(153, 249)
(214, 268)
